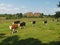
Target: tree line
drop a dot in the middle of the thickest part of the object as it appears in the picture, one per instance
(20, 15)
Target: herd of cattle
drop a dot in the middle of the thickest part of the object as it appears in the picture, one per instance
(17, 24)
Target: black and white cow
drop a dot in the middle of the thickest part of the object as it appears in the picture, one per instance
(45, 22)
(22, 24)
(33, 22)
(57, 20)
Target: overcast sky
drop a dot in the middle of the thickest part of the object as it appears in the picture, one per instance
(17, 6)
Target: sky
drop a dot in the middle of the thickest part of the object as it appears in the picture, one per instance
(23, 6)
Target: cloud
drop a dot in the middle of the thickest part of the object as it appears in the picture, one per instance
(8, 8)
(11, 9)
(47, 10)
(58, 9)
(5, 5)
(51, 10)
(24, 9)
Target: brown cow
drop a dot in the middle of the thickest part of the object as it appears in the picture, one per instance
(13, 28)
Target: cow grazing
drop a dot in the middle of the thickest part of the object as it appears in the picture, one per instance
(57, 20)
(22, 24)
(13, 28)
(17, 22)
(45, 22)
(33, 22)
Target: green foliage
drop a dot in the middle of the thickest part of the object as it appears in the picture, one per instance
(16, 16)
(58, 4)
(25, 16)
(57, 15)
(2, 15)
(8, 16)
(11, 17)
(20, 15)
(41, 15)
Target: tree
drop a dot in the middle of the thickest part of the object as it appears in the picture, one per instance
(41, 15)
(57, 15)
(58, 4)
(20, 15)
(8, 16)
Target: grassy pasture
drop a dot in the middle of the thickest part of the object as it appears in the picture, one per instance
(41, 32)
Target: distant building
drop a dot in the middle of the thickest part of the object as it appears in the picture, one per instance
(36, 14)
(30, 14)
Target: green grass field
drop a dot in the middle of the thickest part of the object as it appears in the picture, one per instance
(30, 35)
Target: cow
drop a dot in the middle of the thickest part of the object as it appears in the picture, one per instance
(45, 22)
(16, 22)
(57, 20)
(33, 22)
(22, 25)
(13, 28)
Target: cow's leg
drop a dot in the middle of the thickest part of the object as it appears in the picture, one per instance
(21, 27)
(33, 25)
(16, 31)
(10, 27)
(12, 31)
